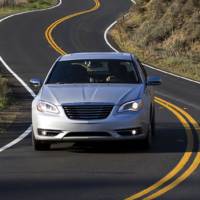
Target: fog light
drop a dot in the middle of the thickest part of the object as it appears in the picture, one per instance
(44, 133)
(134, 132)
(130, 132)
(50, 133)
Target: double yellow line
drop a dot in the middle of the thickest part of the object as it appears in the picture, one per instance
(49, 30)
(184, 118)
(166, 183)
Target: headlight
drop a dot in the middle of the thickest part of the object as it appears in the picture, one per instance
(47, 107)
(133, 106)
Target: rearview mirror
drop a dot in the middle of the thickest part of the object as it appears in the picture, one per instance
(153, 80)
(35, 83)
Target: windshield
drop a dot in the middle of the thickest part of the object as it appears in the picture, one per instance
(93, 71)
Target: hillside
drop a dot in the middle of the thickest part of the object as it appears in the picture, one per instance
(164, 33)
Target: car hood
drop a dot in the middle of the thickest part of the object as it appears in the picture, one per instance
(91, 93)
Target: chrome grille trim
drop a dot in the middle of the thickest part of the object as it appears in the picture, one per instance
(87, 112)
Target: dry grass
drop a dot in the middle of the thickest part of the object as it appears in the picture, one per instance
(3, 92)
(165, 33)
(4, 3)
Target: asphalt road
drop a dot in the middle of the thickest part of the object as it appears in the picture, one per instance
(103, 171)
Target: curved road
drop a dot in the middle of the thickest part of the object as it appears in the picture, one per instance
(103, 171)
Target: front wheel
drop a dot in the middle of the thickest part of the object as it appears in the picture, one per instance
(40, 145)
(147, 142)
(153, 123)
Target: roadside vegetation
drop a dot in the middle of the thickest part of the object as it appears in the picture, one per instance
(13, 6)
(163, 33)
(3, 92)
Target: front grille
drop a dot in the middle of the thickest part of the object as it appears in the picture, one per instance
(87, 134)
(87, 112)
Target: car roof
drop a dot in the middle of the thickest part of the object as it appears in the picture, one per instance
(97, 55)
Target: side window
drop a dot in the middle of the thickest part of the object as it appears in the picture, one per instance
(143, 69)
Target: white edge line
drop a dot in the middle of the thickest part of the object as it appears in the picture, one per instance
(133, 1)
(17, 140)
(171, 74)
(146, 65)
(28, 131)
(17, 77)
(106, 36)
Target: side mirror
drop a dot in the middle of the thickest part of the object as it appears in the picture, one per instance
(153, 80)
(35, 83)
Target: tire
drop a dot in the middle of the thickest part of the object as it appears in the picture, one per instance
(40, 145)
(153, 123)
(147, 142)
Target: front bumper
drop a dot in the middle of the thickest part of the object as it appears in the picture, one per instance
(64, 127)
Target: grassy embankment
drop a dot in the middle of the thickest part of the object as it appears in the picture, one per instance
(164, 33)
(8, 7)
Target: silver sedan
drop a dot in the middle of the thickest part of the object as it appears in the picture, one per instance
(92, 97)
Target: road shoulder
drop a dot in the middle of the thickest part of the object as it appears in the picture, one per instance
(14, 118)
